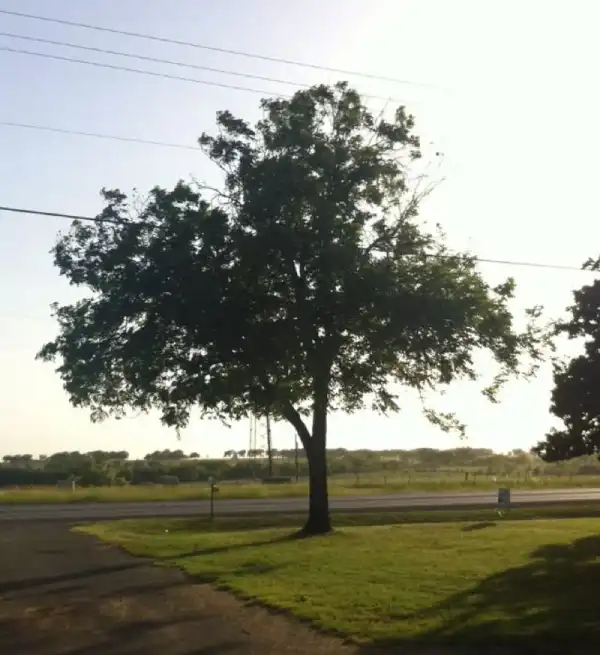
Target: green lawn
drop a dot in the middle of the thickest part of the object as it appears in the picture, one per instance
(372, 484)
(467, 581)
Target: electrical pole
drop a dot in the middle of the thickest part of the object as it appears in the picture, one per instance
(296, 456)
(253, 444)
(269, 446)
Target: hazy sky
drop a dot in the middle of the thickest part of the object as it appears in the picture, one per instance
(512, 105)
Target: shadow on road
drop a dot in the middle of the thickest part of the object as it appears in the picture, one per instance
(67, 594)
(25, 583)
(136, 638)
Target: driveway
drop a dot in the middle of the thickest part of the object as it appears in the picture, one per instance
(63, 593)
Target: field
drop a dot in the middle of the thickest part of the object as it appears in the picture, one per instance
(456, 577)
(371, 484)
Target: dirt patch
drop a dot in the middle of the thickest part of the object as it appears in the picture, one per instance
(68, 594)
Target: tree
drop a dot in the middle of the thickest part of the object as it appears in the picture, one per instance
(306, 284)
(163, 455)
(18, 458)
(106, 456)
(576, 394)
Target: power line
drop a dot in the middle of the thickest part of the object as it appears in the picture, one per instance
(201, 46)
(169, 62)
(139, 71)
(156, 60)
(35, 212)
(20, 317)
(98, 135)
(98, 219)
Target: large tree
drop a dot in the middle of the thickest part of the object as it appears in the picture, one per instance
(576, 394)
(305, 284)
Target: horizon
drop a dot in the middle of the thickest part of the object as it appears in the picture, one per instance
(37, 456)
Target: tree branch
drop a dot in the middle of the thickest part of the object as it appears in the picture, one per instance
(291, 414)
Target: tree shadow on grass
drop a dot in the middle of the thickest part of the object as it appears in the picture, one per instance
(474, 527)
(214, 550)
(548, 606)
(382, 517)
(247, 569)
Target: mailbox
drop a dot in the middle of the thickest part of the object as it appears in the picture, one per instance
(213, 490)
(504, 497)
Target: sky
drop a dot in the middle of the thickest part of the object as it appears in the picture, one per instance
(506, 90)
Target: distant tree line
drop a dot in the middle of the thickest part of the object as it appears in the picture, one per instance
(98, 468)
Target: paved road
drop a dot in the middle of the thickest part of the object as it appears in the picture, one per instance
(99, 511)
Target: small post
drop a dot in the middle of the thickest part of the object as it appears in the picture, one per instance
(503, 500)
(213, 490)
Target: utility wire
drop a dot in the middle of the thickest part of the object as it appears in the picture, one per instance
(35, 212)
(98, 219)
(98, 135)
(170, 62)
(139, 71)
(201, 46)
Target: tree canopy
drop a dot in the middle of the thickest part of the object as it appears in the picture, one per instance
(576, 393)
(306, 283)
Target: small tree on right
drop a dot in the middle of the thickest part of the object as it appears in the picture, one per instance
(576, 393)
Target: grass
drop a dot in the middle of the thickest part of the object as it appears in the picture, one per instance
(445, 577)
(368, 485)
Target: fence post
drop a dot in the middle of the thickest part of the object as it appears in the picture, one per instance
(213, 490)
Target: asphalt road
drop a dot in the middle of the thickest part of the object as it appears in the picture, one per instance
(104, 511)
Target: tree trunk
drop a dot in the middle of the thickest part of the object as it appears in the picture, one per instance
(319, 520)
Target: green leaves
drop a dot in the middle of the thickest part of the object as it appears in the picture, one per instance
(576, 393)
(312, 283)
